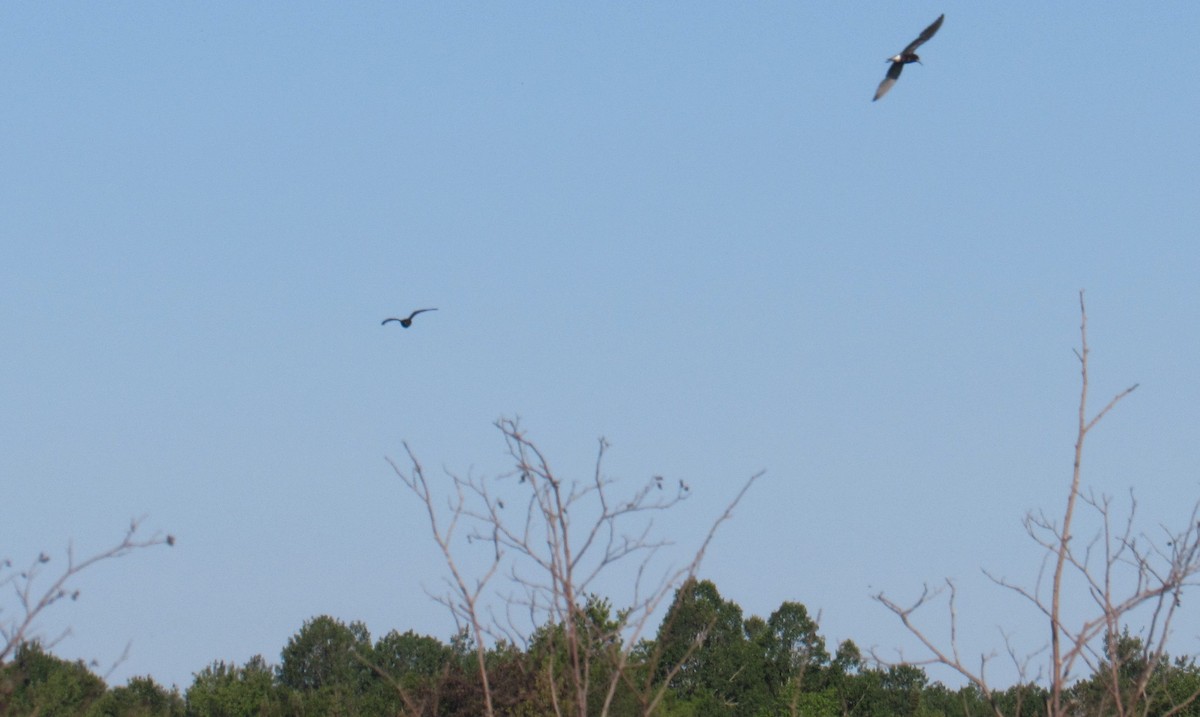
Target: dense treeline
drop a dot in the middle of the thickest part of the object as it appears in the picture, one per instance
(711, 659)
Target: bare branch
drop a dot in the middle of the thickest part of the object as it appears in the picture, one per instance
(569, 535)
(1123, 572)
(32, 601)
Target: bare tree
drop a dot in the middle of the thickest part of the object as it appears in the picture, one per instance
(552, 546)
(1121, 570)
(32, 600)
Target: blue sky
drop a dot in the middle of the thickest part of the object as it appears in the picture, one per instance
(683, 227)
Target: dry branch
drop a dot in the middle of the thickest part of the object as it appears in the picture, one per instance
(1121, 570)
(32, 601)
(567, 535)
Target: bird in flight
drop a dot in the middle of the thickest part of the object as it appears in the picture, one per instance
(906, 56)
(405, 322)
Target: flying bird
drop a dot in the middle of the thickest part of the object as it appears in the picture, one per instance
(906, 56)
(405, 322)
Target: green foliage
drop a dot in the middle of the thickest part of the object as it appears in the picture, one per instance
(592, 667)
(514, 679)
(816, 704)
(1130, 681)
(327, 654)
(223, 690)
(703, 636)
(848, 659)
(707, 660)
(141, 697)
(410, 656)
(409, 674)
(1020, 699)
(38, 683)
(870, 692)
(730, 666)
(793, 650)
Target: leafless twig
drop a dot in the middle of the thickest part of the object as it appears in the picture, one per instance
(1121, 570)
(553, 550)
(32, 601)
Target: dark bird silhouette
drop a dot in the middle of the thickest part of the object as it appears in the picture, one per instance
(906, 56)
(406, 322)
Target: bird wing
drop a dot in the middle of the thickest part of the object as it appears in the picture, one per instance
(925, 35)
(384, 322)
(893, 74)
(419, 311)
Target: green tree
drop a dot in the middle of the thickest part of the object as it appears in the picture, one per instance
(409, 655)
(328, 665)
(600, 652)
(224, 690)
(141, 697)
(1019, 699)
(698, 623)
(411, 671)
(794, 652)
(847, 660)
(895, 691)
(327, 653)
(905, 686)
(38, 683)
(1132, 680)
(704, 653)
